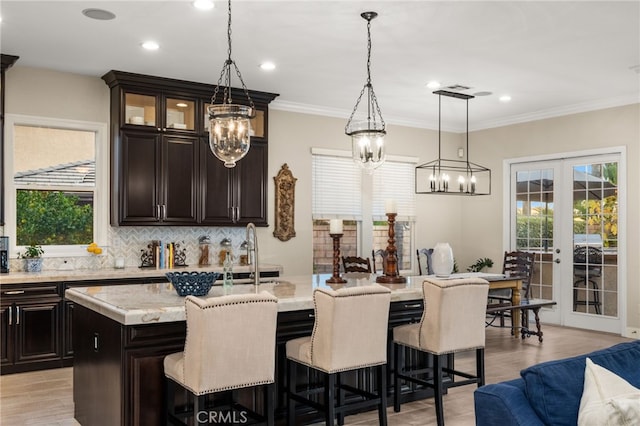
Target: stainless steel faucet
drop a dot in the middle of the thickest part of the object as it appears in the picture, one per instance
(251, 229)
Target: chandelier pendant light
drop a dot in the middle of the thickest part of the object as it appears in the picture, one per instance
(367, 137)
(436, 177)
(229, 123)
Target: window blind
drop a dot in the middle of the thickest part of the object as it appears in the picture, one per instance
(336, 188)
(394, 180)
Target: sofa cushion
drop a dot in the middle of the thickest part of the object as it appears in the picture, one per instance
(607, 399)
(554, 388)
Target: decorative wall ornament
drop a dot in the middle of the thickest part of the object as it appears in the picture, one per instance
(285, 204)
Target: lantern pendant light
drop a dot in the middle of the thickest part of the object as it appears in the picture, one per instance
(367, 137)
(452, 177)
(229, 123)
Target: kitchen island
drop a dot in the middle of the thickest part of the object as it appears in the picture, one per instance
(122, 334)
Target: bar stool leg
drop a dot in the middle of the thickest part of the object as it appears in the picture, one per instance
(437, 384)
(480, 366)
(340, 399)
(169, 400)
(382, 392)
(291, 389)
(398, 363)
(329, 398)
(269, 403)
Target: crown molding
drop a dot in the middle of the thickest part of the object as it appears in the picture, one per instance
(284, 105)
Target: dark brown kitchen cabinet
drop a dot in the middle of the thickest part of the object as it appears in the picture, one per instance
(31, 327)
(162, 170)
(237, 195)
(159, 174)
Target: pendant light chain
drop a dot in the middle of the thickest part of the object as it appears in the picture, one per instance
(225, 74)
(372, 104)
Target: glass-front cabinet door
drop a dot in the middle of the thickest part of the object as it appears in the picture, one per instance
(180, 114)
(149, 111)
(140, 110)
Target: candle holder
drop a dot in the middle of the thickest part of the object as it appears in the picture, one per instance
(391, 274)
(335, 278)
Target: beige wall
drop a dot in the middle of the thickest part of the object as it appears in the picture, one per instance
(473, 226)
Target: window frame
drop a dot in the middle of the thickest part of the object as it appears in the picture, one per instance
(100, 191)
(365, 233)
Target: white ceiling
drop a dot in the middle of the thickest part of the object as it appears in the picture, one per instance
(552, 58)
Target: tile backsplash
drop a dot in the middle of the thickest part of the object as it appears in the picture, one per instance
(128, 243)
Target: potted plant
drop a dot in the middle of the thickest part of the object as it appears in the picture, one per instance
(33, 256)
(480, 265)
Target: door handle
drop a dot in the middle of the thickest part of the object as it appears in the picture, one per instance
(557, 250)
(14, 292)
(557, 260)
(17, 315)
(158, 211)
(164, 212)
(10, 316)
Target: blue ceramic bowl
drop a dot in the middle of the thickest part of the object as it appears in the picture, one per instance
(192, 283)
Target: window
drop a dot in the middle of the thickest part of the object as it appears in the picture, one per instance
(54, 197)
(344, 191)
(394, 180)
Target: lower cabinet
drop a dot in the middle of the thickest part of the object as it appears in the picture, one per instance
(31, 328)
(132, 356)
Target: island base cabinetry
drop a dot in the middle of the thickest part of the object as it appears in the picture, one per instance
(119, 375)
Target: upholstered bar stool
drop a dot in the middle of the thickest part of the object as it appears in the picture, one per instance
(349, 333)
(452, 321)
(230, 345)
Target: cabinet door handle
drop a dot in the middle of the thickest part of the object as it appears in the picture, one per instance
(312, 315)
(17, 315)
(232, 213)
(237, 214)
(96, 340)
(10, 316)
(164, 212)
(14, 292)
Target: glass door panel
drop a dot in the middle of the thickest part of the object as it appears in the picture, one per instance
(534, 221)
(180, 114)
(595, 238)
(140, 110)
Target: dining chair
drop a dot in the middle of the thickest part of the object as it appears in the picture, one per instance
(356, 264)
(587, 266)
(230, 345)
(518, 264)
(382, 254)
(424, 261)
(452, 322)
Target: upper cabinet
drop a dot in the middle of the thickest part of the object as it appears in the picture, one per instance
(162, 171)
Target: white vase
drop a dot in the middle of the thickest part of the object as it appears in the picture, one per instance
(442, 260)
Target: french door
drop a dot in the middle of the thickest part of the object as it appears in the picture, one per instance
(569, 213)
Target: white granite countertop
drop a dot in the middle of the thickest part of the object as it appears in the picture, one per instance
(114, 274)
(154, 303)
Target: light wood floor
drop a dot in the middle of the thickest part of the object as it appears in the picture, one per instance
(46, 397)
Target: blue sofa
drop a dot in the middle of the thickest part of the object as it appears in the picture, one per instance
(549, 393)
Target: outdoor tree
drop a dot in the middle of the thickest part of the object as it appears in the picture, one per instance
(53, 218)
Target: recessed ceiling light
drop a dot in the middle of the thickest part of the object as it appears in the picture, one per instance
(267, 66)
(99, 14)
(150, 45)
(181, 105)
(203, 4)
(505, 98)
(433, 84)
